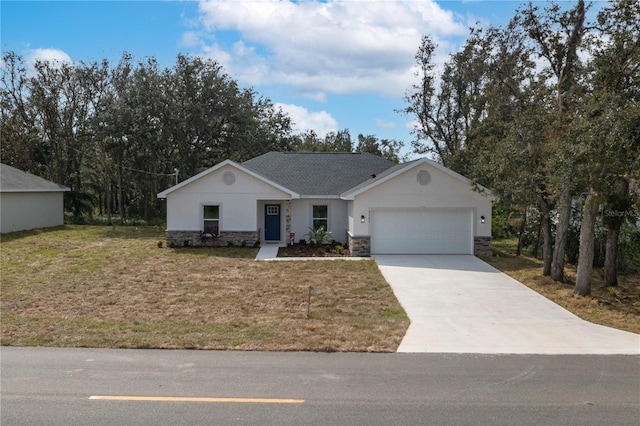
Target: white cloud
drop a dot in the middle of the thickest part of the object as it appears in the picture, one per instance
(190, 39)
(51, 55)
(326, 47)
(384, 124)
(412, 124)
(320, 122)
(318, 96)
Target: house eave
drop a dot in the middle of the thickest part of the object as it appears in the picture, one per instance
(39, 190)
(322, 197)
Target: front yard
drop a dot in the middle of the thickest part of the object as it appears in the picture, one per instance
(115, 287)
(92, 286)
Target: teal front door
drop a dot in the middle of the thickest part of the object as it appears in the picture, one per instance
(272, 222)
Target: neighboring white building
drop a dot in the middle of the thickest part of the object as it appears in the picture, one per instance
(373, 205)
(28, 201)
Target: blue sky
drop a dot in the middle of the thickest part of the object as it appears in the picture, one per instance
(330, 64)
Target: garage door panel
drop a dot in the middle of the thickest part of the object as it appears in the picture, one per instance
(406, 231)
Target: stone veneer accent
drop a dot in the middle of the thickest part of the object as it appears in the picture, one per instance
(359, 246)
(482, 246)
(287, 220)
(193, 239)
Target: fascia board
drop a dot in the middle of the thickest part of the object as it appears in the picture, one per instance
(62, 189)
(322, 197)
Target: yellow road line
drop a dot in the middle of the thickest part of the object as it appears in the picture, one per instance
(196, 399)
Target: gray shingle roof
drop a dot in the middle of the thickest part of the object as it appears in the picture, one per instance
(14, 180)
(318, 173)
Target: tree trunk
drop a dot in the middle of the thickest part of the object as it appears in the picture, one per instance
(547, 244)
(618, 200)
(120, 195)
(107, 189)
(585, 257)
(523, 227)
(557, 263)
(107, 198)
(536, 247)
(611, 255)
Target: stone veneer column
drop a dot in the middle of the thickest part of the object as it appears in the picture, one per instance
(287, 220)
(359, 246)
(482, 246)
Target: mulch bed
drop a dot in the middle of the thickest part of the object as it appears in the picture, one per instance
(311, 250)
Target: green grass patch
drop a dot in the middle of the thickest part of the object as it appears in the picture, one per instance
(394, 314)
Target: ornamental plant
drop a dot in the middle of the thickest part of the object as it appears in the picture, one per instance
(318, 235)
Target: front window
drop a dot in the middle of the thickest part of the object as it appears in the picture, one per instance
(212, 220)
(321, 217)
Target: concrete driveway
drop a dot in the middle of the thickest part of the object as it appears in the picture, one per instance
(460, 304)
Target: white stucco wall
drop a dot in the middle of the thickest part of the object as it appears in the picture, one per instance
(29, 210)
(238, 201)
(404, 191)
(302, 217)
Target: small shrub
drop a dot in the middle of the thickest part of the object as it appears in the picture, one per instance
(319, 235)
(160, 244)
(613, 291)
(172, 244)
(302, 242)
(230, 244)
(243, 244)
(339, 249)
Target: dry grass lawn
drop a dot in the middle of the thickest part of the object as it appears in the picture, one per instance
(114, 287)
(617, 307)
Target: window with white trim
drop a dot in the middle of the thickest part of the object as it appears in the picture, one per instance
(211, 220)
(321, 216)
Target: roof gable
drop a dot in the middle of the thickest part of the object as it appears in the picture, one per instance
(218, 166)
(311, 174)
(15, 180)
(402, 168)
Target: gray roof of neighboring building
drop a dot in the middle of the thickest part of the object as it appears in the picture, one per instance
(15, 180)
(318, 173)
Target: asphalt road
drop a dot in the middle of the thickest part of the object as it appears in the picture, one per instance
(47, 386)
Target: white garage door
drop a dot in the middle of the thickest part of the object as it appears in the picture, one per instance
(410, 231)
